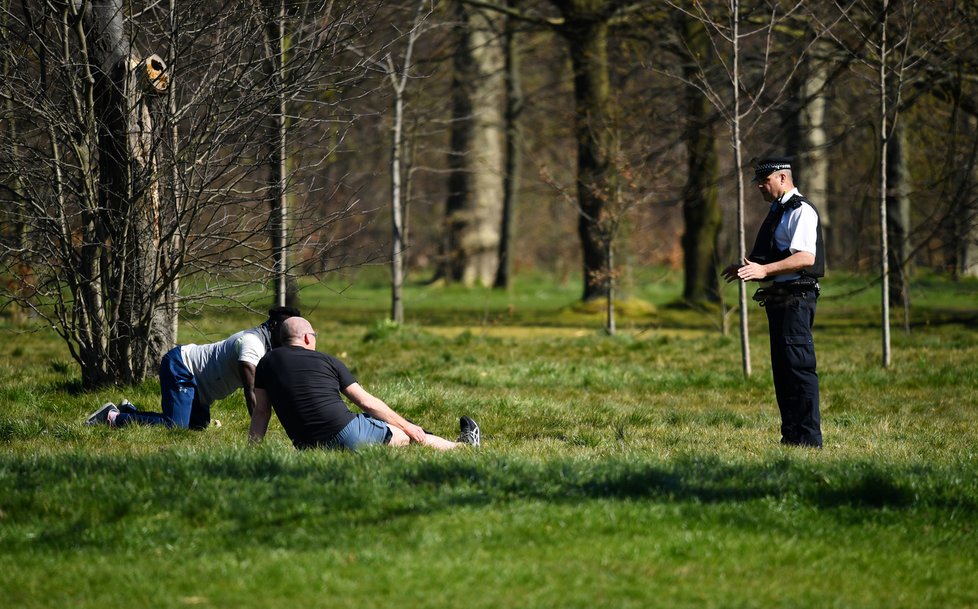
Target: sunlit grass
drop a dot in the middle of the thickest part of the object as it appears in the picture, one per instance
(633, 470)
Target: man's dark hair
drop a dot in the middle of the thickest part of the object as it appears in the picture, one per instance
(276, 315)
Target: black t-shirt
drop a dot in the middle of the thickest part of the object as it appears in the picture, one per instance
(304, 389)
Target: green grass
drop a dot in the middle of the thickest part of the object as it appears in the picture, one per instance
(640, 470)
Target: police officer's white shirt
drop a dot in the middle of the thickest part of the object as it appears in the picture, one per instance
(797, 232)
(215, 366)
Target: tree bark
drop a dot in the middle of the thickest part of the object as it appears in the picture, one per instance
(738, 164)
(701, 210)
(587, 37)
(477, 159)
(397, 210)
(967, 259)
(176, 201)
(884, 130)
(125, 330)
(898, 216)
(812, 172)
(127, 220)
(18, 284)
(514, 153)
(277, 43)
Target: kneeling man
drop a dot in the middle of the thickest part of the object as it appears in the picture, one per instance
(303, 386)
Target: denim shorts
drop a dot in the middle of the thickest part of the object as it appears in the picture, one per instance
(362, 430)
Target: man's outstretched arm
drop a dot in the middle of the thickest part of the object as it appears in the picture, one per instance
(376, 408)
(260, 417)
(247, 372)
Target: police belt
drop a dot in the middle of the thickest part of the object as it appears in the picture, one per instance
(782, 292)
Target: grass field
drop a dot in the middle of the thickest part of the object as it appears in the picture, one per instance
(636, 470)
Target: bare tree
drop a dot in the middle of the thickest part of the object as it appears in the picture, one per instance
(891, 45)
(736, 117)
(123, 192)
(884, 142)
(745, 97)
(585, 25)
(276, 43)
(399, 73)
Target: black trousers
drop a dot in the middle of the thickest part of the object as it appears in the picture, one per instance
(790, 318)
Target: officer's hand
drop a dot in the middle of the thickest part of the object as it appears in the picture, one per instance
(751, 271)
(730, 273)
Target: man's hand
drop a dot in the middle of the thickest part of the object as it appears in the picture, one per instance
(751, 271)
(376, 408)
(748, 271)
(415, 432)
(730, 273)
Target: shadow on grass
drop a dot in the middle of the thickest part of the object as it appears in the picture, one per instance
(279, 499)
(855, 484)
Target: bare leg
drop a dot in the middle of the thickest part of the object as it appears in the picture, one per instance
(439, 443)
(399, 438)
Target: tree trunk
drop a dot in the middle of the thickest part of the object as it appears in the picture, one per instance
(176, 203)
(122, 329)
(738, 164)
(18, 284)
(610, 324)
(128, 196)
(884, 141)
(397, 211)
(111, 218)
(812, 173)
(476, 192)
(701, 211)
(967, 259)
(898, 216)
(514, 153)
(285, 288)
(588, 42)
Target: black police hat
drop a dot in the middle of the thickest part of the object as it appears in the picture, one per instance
(768, 165)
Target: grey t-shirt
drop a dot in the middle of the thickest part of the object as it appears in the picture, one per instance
(215, 366)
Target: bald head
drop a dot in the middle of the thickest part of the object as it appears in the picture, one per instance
(298, 332)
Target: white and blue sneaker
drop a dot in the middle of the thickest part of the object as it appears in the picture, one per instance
(470, 433)
(101, 416)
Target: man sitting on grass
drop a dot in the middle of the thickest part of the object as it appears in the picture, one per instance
(304, 386)
(192, 377)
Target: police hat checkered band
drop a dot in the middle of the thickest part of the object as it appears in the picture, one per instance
(772, 166)
(768, 165)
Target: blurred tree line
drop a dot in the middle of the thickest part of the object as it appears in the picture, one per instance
(156, 156)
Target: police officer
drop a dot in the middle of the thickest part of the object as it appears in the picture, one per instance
(788, 257)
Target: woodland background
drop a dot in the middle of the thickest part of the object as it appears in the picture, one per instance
(158, 156)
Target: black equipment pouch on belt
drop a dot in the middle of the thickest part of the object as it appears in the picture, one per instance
(780, 294)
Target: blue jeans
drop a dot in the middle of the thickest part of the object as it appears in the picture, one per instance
(180, 402)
